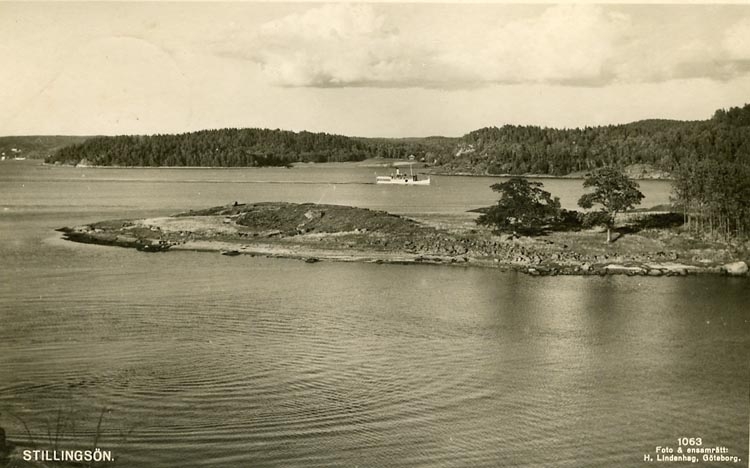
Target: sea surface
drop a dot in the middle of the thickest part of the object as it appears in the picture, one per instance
(201, 360)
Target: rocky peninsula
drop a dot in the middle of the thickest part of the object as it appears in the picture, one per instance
(314, 232)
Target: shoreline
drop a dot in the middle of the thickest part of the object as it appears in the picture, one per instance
(572, 176)
(365, 164)
(312, 233)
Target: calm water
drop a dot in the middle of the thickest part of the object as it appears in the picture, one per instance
(204, 360)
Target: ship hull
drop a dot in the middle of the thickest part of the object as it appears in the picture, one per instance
(395, 181)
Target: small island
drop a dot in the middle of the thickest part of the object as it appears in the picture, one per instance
(314, 232)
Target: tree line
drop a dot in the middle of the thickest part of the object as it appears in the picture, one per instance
(233, 147)
(524, 207)
(665, 145)
(714, 197)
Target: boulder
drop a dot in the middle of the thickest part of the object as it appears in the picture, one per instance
(736, 268)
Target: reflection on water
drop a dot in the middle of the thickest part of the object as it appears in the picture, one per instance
(217, 361)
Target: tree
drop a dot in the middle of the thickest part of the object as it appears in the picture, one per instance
(713, 196)
(613, 190)
(523, 206)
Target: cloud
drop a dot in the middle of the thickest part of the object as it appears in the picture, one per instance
(724, 58)
(737, 40)
(346, 45)
(565, 44)
(334, 45)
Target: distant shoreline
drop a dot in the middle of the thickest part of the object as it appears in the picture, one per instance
(370, 163)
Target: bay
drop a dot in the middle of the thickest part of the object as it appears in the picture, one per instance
(203, 360)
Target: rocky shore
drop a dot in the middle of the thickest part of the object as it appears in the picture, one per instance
(315, 232)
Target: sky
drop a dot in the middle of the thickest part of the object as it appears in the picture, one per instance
(364, 69)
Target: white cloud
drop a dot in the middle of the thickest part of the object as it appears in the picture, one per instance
(737, 40)
(568, 43)
(343, 44)
(346, 44)
(334, 45)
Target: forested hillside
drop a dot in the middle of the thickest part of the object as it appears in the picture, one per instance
(236, 148)
(664, 145)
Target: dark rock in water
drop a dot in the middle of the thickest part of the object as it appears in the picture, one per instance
(311, 260)
(230, 253)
